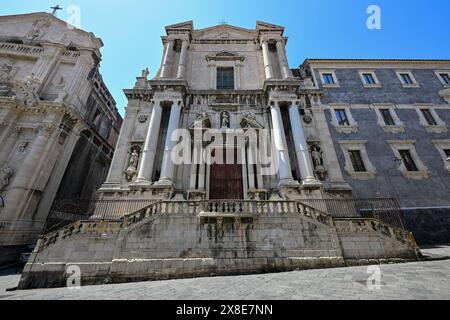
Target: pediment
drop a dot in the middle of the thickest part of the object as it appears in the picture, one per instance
(248, 121)
(187, 25)
(224, 32)
(225, 56)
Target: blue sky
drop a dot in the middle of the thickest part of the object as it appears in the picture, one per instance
(131, 29)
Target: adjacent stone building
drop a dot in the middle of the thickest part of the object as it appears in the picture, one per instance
(388, 121)
(55, 111)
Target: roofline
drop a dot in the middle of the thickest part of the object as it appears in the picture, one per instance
(377, 60)
(50, 16)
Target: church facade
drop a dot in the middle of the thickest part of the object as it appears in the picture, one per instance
(230, 162)
(58, 124)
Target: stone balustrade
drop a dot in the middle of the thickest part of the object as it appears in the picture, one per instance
(21, 49)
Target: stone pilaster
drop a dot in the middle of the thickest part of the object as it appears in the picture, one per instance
(118, 163)
(17, 197)
(47, 63)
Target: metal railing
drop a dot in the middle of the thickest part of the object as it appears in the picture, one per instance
(386, 210)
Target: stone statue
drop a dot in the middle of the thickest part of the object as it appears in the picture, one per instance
(134, 159)
(225, 121)
(317, 159)
(5, 175)
(145, 73)
(316, 156)
(133, 164)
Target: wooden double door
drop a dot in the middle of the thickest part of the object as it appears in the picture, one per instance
(226, 180)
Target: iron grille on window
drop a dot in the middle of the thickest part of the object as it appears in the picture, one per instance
(408, 160)
(429, 117)
(368, 78)
(342, 117)
(445, 77)
(447, 153)
(357, 161)
(225, 79)
(406, 78)
(387, 117)
(328, 78)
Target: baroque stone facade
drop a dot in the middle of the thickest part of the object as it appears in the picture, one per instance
(50, 89)
(226, 164)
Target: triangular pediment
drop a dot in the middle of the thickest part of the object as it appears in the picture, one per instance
(187, 25)
(225, 55)
(262, 26)
(224, 32)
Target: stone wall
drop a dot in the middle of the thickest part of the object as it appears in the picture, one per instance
(177, 245)
(429, 225)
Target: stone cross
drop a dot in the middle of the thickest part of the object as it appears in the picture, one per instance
(55, 9)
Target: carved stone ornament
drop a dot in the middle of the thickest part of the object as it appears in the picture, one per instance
(307, 118)
(142, 118)
(38, 29)
(5, 176)
(22, 147)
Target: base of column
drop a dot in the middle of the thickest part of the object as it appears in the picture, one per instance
(288, 183)
(311, 183)
(166, 183)
(258, 194)
(196, 194)
(141, 184)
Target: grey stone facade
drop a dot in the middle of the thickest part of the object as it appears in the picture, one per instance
(421, 195)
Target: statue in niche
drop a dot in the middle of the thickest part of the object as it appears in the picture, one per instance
(5, 175)
(317, 159)
(224, 120)
(133, 164)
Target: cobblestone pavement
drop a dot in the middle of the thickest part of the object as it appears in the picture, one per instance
(418, 280)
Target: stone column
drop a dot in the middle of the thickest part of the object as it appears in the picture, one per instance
(266, 57)
(301, 148)
(182, 63)
(279, 137)
(285, 71)
(165, 69)
(168, 167)
(151, 143)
